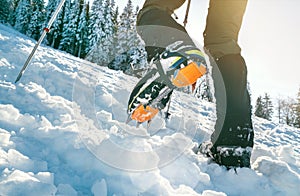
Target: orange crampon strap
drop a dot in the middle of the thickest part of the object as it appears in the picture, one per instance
(188, 75)
(142, 114)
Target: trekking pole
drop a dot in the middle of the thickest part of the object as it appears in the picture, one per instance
(45, 31)
(187, 13)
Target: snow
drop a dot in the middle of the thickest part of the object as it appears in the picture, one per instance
(63, 132)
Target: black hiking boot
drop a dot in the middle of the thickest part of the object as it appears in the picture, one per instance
(228, 156)
(233, 136)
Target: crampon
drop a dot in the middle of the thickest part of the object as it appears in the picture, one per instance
(153, 91)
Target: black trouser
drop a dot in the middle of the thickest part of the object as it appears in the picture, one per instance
(158, 29)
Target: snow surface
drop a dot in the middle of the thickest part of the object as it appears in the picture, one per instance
(62, 132)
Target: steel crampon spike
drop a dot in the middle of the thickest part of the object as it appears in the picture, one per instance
(148, 123)
(138, 124)
(129, 119)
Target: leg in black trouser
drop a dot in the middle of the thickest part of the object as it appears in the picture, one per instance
(159, 30)
(234, 126)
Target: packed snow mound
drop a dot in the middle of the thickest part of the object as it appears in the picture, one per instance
(63, 132)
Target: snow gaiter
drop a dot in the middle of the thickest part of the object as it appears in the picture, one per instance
(234, 125)
(235, 129)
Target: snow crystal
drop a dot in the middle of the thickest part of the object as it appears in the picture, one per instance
(65, 189)
(21, 183)
(99, 188)
(3, 37)
(212, 193)
(277, 170)
(5, 138)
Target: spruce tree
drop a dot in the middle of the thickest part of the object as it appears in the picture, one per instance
(4, 11)
(37, 19)
(55, 35)
(108, 41)
(131, 54)
(264, 107)
(13, 8)
(101, 33)
(95, 28)
(268, 107)
(259, 111)
(115, 17)
(50, 8)
(70, 24)
(126, 28)
(22, 16)
(83, 32)
(127, 35)
(115, 22)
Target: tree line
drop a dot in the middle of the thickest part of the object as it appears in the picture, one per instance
(287, 109)
(97, 32)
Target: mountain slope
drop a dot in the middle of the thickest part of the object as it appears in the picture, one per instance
(62, 132)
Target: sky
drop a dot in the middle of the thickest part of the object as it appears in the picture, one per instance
(269, 38)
